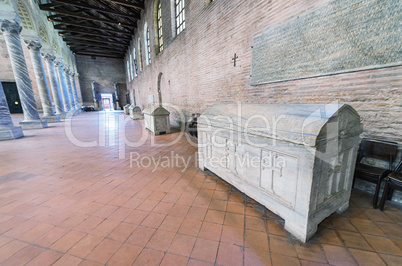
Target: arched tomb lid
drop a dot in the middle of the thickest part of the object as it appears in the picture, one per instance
(305, 124)
(156, 110)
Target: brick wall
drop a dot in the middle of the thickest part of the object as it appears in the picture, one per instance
(198, 70)
(105, 72)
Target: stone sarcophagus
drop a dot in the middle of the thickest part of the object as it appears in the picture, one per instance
(296, 160)
(126, 110)
(135, 112)
(157, 119)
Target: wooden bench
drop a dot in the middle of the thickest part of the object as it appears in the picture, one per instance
(378, 149)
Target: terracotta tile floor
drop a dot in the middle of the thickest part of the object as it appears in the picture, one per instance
(68, 205)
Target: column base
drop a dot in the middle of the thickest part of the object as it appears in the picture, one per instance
(63, 116)
(77, 112)
(11, 133)
(33, 124)
(51, 119)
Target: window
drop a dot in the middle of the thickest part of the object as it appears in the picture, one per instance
(139, 54)
(180, 16)
(159, 36)
(128, 70)
(131, 68)
(135, 63)
(147, 46)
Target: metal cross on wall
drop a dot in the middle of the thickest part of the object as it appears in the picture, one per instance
(234, 59)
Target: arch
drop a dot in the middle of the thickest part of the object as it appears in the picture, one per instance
(56, 48)
(159, 88)
(43, 34)
(27, 21)
(158, 26)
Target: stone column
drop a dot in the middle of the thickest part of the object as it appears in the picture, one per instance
(54, 85)
(78, 87)
(63, 87)
(74, 89)
(11, 31)
(43, 88)
(94, 95)
(116, 94)
(7, 128)
(69, 88)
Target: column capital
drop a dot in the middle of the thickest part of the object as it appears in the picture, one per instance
(33, 44)
(72, 72)
(10, 27)
(66, 69)
(93, 82)
(48, 56)
(58, 63)
(115, 83)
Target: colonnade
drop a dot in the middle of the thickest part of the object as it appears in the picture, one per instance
(61, 79)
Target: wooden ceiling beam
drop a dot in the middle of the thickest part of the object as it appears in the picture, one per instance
(101, 55)
(88, 27)
(99, 51)
(86, 6)
(73, 42)
(92, 18)
(73, 39)
(66, 30)
(91, 46)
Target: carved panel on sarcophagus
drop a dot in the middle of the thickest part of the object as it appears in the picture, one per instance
(218, 154)
(279, 176)
(248, 161)
(161, 123)
(332, 172)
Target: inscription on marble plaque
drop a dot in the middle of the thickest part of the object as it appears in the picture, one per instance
(341, 36)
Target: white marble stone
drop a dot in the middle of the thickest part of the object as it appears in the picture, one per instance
(34, 51)
(74, 88)
(297, 160)
(54, 85)
(63, 87)
(135, 112)
(70, 93)
(157, 120)
(96, 107)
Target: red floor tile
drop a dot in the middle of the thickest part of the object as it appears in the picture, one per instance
(182, 245)
(205, 250)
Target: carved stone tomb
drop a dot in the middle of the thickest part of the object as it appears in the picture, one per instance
(296, 160)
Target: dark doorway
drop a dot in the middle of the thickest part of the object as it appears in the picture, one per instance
(13, 99)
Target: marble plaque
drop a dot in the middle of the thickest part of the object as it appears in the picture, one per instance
(338, 37)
